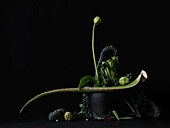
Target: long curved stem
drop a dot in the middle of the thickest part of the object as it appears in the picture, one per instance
(87, 90)
(94, 56)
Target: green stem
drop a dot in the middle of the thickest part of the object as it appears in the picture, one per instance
(94, 56)
(108, 72)
(87, 90)
(104, 80)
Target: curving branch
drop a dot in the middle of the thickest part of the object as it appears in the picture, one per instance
(88, 90)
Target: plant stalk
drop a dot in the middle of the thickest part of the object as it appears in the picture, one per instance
(94, 59)
(87, 90)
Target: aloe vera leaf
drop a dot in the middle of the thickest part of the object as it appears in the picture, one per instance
(48, 93)
(87, 90)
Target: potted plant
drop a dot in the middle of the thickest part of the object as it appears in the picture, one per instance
(105, 83)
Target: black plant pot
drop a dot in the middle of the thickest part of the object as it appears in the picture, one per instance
(101, 103)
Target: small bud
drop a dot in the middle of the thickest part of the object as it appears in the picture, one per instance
(97, 20)
(87, 120)
(67, 116)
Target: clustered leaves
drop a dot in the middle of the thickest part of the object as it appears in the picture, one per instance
(108, 73)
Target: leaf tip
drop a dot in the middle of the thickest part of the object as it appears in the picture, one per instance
(144, 74)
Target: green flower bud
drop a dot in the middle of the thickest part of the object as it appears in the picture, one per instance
(97, 20)
(124, 80)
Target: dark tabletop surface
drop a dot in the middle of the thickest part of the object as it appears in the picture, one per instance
(137, 123)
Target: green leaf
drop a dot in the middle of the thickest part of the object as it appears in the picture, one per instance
(115, 114)
(126, 118)
(86, 79)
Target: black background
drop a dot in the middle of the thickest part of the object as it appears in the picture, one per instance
(46, 45)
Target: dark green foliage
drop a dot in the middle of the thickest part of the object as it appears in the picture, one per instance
(107, 72)
(111, 63)
(126, 105)
(97, 116)
(107, 66)
(153, 110)
(85, 108)
(137, 106)
(104, 56)
(58, 114)
(86, 79)
(145, 107)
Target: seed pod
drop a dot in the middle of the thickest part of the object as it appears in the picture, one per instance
(67, 116)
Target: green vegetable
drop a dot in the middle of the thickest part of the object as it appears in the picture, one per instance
(124, 80)
(86, 79)
(107, 72)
